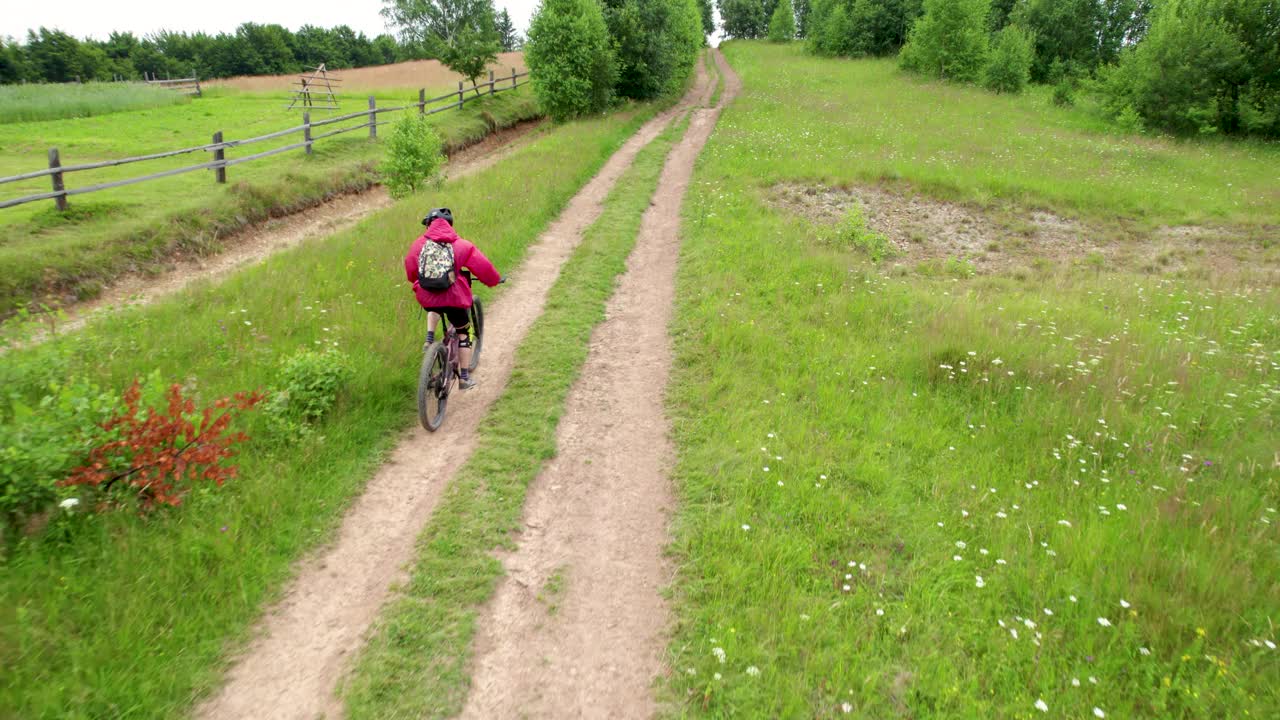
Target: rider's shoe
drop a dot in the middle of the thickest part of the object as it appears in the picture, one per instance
(467, 383)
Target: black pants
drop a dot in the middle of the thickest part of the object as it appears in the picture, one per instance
(459, 317)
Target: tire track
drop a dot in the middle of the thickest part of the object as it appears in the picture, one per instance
(596, 518)
(304, 643)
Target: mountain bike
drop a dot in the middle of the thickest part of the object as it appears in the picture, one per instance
(439, 373)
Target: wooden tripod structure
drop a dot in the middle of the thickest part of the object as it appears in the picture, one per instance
(314, 87)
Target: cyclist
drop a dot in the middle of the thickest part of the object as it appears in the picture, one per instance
(454, 301)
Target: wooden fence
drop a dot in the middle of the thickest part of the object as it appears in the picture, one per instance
(219, 147)
(186, 86)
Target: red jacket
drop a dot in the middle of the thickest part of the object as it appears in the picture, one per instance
(465, 255)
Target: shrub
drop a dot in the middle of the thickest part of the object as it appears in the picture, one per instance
(852, 232)
(782, 26)
(1009, 66)
(414, 156)
(309, 382)
(1064, 93)
(570, 56)
(154, 454)
(41, 443)
(949, 41)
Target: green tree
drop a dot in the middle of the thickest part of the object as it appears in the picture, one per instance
(1205, 66)
(508, 38)
(654, 42)
(315, 45)
(746, 19)
(1008, 67)
(386, 49)
(708, 17)
(268, 47)
(54, 56)
(859, 27)
(782, 26)
(570, 55)
(949, 41)
(13, 62)
(460, 33)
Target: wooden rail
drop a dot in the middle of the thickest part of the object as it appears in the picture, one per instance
(219, 163)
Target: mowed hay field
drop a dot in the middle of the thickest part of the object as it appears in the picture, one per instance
(954, 439)
(47, 256)
(411, 74)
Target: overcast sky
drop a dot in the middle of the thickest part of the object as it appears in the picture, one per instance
(97, 18)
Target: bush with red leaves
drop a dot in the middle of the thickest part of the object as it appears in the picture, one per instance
(159, 453)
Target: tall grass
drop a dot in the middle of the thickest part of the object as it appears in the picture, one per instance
(136, 618)
(960, 497)
(38, 102)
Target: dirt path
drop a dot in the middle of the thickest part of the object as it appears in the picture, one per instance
(596, 518)
(303, 645)
(257, 243)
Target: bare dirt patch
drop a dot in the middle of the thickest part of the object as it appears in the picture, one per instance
(411, 74)
(596, 520)
(926, 230)
(304, 644)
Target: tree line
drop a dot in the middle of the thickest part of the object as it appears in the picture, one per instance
(1181, 66)
(50, 55)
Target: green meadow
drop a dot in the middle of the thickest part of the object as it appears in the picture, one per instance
(921, 491)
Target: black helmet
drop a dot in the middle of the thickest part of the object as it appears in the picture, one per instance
(445, 213)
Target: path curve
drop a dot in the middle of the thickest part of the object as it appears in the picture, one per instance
(597, 516)
(304, 644)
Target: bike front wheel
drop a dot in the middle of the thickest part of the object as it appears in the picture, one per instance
(433, 387)
(477, 333)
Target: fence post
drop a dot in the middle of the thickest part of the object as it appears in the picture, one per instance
(373, 119)
(460, 100)
(197, 79)
(56, 162)
(306, 129)
(513, 78)
(422, 101)
(490, 82)
(220, 156)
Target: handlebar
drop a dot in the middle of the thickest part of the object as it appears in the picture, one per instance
(467, 274)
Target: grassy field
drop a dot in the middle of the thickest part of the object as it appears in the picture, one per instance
(134, 618)
(38, 102)
(843, 120)
(49, 256)
(417, 663)
(949, 495)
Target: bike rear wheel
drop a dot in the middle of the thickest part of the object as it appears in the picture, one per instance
(433, 387)
(477, 333)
